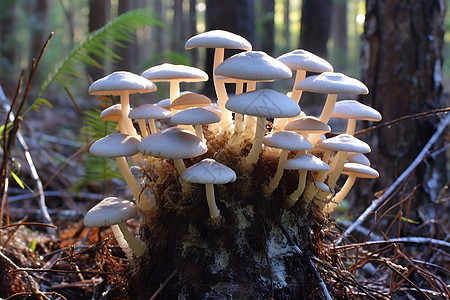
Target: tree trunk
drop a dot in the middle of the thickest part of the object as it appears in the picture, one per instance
(402, 60)
(8, 44)
(339, 34)
(315, 26)
(98, 16)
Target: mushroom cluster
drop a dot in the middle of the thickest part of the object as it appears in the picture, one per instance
(257, 144)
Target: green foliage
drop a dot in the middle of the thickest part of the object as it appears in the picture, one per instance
(98, 44)
(97, 168)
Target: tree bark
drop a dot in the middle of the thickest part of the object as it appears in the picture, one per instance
(401, 64)
(98, 16)
(339, 34)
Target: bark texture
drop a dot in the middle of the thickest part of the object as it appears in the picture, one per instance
(401, 64)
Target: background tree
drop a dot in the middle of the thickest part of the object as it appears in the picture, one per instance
(99, 14)
(401, 64)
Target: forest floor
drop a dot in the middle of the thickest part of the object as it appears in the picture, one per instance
(68, 261)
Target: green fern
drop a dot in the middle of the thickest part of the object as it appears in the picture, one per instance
(116, 32)
(97, 168)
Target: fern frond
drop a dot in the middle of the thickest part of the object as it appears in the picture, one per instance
(116, 32)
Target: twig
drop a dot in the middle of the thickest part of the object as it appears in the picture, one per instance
(398, 120)
(162, 285)
(376, 203)
(413, 240)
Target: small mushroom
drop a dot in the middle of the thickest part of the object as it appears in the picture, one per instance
(174, 74)
(151, 113)
(209, 172)
(173, 143)
(303, 163)
(196, 116)
(353, 110)
(119, 145)
(353, 170)
(286, 141)
(114, 114)
(114, 212)
(123, 84)
(264, 103)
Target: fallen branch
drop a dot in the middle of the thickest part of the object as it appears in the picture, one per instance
(376, 203)
(413, 240)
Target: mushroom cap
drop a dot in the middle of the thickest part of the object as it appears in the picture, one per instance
(307, 124)
(190, 100)
(168, 72)
(165, 103)
(120, 81)
(306, 161)
(110, 211)
(172, 143)
(287, 140)
(195, 116)
(209, 171)
(112, 113)
(352, 109)
(149, 111)
(360, 158)
(115, 145)
(265, 103)
(253, 65)
(218, 39)
(332, 83)
(304, 60)
(360, 170)
(321, 186)
(344, 142)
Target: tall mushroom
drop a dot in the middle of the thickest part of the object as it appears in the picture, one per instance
(174, 74)
(219, 40)
(118, 146)
(196, 116)
(265, 103)
(122, 84)
(209, 172)
(114, 212)
(332, 84)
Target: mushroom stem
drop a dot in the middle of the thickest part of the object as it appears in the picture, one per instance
(151, 122)
(179, 164)
(124, 245)
(199, 132)
(250, 121)
(125, 107)
(122, 128)
(143, 128)
(300, 188)
(343, 192)
(273, 184)
(174, 92)
(251, 86)
(253, 156)
(134, 244)
(338, 161)
(219, 86)
(238, 118)
(132, 185)
(351, 126)
(325, 115)
(311, 190)
(214, 212)
(297, 94)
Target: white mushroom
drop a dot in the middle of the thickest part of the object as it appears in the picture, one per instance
(123, 84)
(196, 116)
(119, 145)
(265, 103)
(151, 113)
(353, 110)
(209, 172)
(114, 212)
(173, 143)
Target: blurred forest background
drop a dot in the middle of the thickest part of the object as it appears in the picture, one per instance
(408, 68)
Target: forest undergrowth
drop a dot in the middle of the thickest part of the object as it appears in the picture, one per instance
(400, 250)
